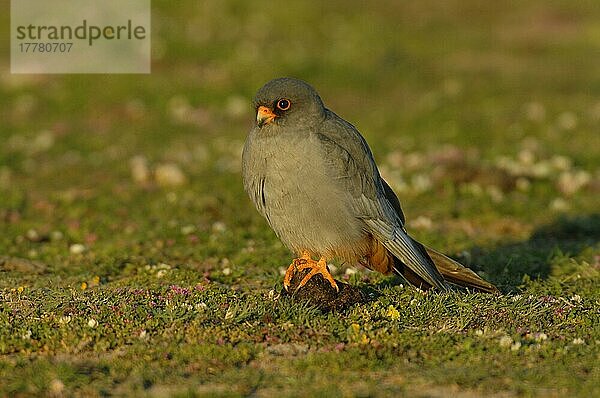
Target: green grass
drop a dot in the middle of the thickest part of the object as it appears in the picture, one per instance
(484, 118)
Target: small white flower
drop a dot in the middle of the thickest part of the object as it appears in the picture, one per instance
(56, 387)
(479, 332)
(219, 226)
(561, 163)
(495, 193)
(569, 182)
(541, 336)
(201, 306)
(541, 169)
(188, 229)
(226, 271)
(505, 341)
(515, 346)
(139, 169)
(92, 323)
(76, 248)
(559, 204)
(143, 335)
(161, 273)
(578, 341)
(169, 175)
(526, 157)
(26, 335)
(32, 235)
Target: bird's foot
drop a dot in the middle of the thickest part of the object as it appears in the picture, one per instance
(316, 268)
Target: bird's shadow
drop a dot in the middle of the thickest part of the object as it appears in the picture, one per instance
(506, 265)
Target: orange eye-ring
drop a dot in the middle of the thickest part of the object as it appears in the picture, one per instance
(284, 104)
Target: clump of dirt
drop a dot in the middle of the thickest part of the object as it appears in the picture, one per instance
(319, 292)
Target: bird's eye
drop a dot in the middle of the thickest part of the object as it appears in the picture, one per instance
(283, 104)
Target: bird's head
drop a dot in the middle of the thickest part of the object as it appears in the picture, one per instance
(287, 101)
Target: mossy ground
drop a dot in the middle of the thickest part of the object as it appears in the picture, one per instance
(132, 262)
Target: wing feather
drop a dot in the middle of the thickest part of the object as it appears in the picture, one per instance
(353, 165)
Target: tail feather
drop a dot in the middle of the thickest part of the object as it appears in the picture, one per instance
(450, 270)
(457, 274)
(382, 260)
(411, 276)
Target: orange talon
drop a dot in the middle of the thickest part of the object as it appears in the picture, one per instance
(289, 274)
(316, 267)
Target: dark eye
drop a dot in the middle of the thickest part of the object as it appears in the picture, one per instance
(283, 104)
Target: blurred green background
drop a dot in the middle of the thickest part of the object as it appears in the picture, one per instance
(483, 116)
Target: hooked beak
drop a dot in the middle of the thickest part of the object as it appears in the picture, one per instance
(264, 116)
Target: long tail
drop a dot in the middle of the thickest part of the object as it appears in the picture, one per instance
(385, 258)
(456, 273)
(381, 260)
(449, 269)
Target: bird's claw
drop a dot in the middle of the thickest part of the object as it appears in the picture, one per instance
(316, 268)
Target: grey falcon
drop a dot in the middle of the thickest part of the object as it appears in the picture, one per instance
(313, 177)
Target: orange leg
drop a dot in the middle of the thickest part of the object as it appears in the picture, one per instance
(316, 267)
